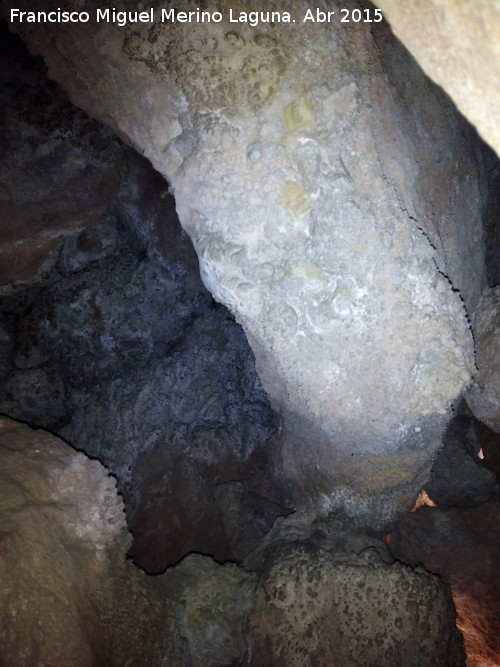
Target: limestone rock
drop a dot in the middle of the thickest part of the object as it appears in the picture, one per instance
(317, 608)
(68, 597)
(297, 170)
(61, 520)
(211, 604)
(67, 594)
(457, 44)
(483, 397)
(461, 545)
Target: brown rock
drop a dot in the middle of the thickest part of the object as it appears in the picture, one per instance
(463, 546)
(53, 181)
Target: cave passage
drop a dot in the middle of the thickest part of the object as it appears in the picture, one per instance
(270, 342)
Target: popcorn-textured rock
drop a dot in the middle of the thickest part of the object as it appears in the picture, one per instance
(483, 396)
(457, 45)
(67, 594)
(317, 608)
(309, 210)
(124, 354)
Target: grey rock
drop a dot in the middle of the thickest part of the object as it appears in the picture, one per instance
(459, 477)
(314, 607)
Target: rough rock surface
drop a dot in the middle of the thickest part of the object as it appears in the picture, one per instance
(457, 45)
(59, 170)
(483, 396)
(124, 353)
(62, 575)
(463, 546)
(460, 477)
(313, 607)
(120, 348)
(69, 597)
(490, 445)
(298, 172)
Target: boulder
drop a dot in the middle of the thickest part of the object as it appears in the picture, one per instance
(314, 607)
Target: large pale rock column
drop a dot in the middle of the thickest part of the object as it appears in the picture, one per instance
(303, 175)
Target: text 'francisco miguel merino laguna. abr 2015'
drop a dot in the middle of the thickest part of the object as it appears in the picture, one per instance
(122, 18)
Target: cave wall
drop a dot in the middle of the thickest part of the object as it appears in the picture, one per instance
(113, 342)
(69, 597)
(307, 181)
(457, 45)
(104, 318)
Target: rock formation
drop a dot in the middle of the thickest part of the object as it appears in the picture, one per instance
(118, 347)
(68, 597)
(461, 545)
(305, 170)
(337, 610)
(483, 396)
(58, 173)
(344, 216)
(457, 45)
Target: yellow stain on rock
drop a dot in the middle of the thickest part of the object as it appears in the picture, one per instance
(294, 198)
(299, 115)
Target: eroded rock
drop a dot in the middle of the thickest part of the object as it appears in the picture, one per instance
(457, 46)
(124, 353)
(483, 396)
(462, 546)
(460, 477)
(317, 608)
(59, 171)
(62, 524)
(69, 596)
(308, 197)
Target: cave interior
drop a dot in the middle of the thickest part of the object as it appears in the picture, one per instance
(261, 527)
